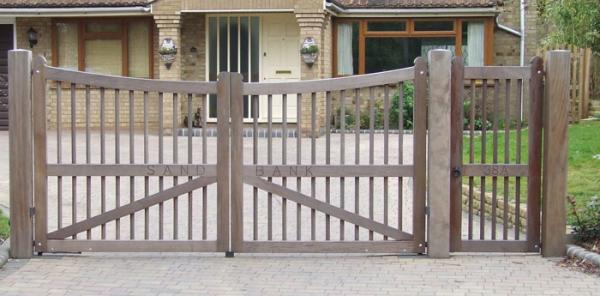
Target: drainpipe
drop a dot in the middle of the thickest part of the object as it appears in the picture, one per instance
(520, 33)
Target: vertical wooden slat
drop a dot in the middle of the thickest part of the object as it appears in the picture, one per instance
(386, 150)
(483, 158)
(495, 154)
(507, 121)
(223, 131)
(102, 158)
(328, 114)
(131, 161)
(419, 155)
(573, 83)
(117, 161)
(160, 161)
(371, 152)
(73, 154)
(456, 150)
(190, 131)
(88, 179)
(555, 154)
(284, 161)
(21, 152)
(534, 180)
(471, 157)
(518, 160)
(342, 156)
(400, 152)
(59, 197)
(237, 162)
(146, 178)
(254, 111)
(313, 160)
(40, 178)
(298, 162)
(175, 161)
(587, 67)
(204, 189)
(270, 161)
(356, 157)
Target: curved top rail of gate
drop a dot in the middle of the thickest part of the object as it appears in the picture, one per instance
(128, 83)
(332, 84)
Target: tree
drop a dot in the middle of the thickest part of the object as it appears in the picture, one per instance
(573, 22)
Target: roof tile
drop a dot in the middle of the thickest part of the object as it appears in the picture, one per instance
(414, 3)
(71, 3)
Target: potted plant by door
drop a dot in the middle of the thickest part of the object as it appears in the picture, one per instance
(309, 51)
(167, 52)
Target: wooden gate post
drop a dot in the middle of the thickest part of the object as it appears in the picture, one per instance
(556, 121)
(237, 161)
(223, 181)
(438, 165)
(21, 153)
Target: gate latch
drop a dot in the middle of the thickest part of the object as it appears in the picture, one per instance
(456, 172)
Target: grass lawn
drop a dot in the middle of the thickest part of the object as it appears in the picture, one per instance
(584, 169)
(4, 229)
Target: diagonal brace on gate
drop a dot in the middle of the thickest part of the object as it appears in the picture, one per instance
(133, 207)
(328, 209)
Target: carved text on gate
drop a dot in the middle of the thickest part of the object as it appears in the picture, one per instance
(283, 171)
(175, 170)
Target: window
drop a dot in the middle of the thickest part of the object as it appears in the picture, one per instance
(374, 45)
(107, 46)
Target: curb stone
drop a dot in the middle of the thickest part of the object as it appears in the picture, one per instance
(4, 250)
(583, 254)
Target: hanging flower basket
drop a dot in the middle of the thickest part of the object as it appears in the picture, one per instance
(309, 51)
(167, 52)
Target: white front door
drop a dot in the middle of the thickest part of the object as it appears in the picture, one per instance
(280, 60)
(264, 48)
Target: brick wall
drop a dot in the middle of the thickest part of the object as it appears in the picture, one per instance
(506, 45)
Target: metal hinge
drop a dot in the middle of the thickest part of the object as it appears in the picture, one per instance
(31, 211)
(427, 210)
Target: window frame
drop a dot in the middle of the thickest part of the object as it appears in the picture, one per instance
(363, 34)
(123, 35)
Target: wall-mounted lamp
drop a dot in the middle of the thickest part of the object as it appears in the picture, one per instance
(32, 35)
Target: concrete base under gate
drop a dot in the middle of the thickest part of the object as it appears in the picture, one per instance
(207, 274)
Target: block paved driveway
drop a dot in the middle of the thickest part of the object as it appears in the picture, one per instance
(212, 274)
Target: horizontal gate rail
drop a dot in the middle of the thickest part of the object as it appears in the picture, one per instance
(146, 170)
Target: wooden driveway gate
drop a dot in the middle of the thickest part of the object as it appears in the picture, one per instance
(332, 165)
(341, 188)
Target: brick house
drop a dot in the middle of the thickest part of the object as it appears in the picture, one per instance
(260, 38)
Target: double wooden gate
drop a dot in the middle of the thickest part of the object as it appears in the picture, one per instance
(115, 171)
(110, 167)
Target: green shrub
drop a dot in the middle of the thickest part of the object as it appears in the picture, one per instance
(394, 112)
(586, 224)
(4, 227)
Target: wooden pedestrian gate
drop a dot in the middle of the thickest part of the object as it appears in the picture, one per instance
(207, 194)
(332, 165)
